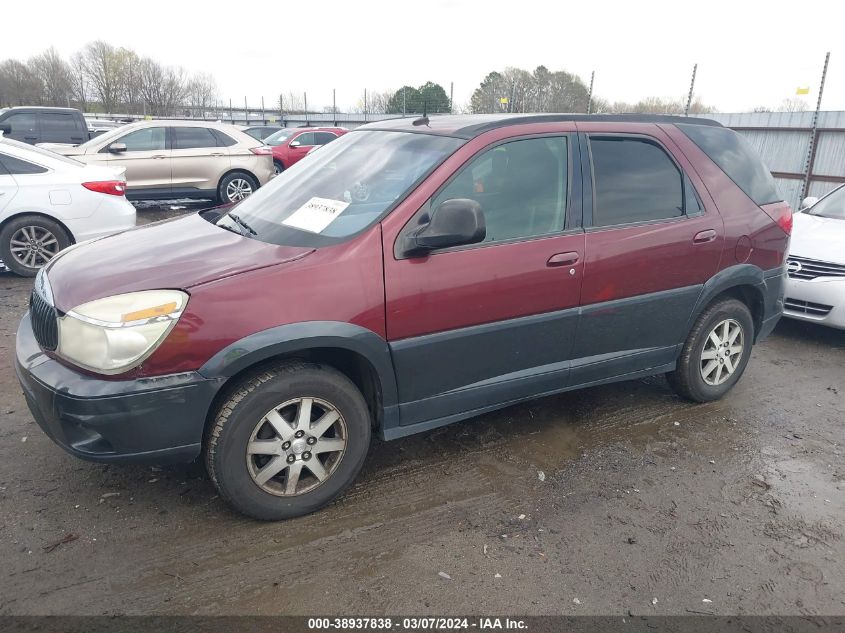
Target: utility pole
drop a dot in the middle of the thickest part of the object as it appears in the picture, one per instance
(811, 153)
(365, 104)
(281, 110)
(404, 102)
(451, 96)
(334, 105)
(590, 96)
(246, 112)
(691, 86)
(305, 101)
(263, 114)
(231, 112)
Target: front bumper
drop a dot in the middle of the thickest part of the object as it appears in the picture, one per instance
(820, 300)
(157, 420)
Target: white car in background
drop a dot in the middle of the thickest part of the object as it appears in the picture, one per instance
(48, 202)
(815, 290)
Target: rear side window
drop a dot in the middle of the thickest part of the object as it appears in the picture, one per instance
(322, 138)
(54, 125)
(193, 137)
(737, 159)
(16, 166)
(634, 181)
(223, 139)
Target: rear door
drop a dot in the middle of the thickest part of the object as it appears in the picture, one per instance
(61, 127)
(652, 239)
(8, 186)
(146, 160)
(475, 326)
(197, 161)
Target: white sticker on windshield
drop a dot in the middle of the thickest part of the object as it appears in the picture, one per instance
(316, 214)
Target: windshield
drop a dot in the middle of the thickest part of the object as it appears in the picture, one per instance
(342, 189)
(831, 206)
(277, 138)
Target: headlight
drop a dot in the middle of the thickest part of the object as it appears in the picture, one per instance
(115, 334)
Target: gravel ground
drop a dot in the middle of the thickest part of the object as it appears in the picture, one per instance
(610, 500)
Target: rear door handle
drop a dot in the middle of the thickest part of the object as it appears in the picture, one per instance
(704, 236)
(31, 138)
(159, 156)
(217, 154)
(563, 259)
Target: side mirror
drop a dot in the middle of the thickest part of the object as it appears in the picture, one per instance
(6, 128)
(808, 202)
(295, 144)
(117, 148)
(454, 222)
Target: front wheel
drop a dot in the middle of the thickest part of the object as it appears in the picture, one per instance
(29, 242)
(235, 187)
(278, 168)
(288, 441)
(715, 353)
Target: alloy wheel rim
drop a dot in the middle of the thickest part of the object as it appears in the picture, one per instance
(722, 352)
(296, 446)
(238, 189)
(33, 246)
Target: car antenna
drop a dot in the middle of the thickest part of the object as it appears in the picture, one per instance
(423, 120)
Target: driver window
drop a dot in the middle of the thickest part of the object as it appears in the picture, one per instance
(521, 187)
(146, 140)
(304, 139)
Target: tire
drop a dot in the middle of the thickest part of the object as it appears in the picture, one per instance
(30, 241)
(695, 377)
(236, 186)
(278, 168)
(253, 418)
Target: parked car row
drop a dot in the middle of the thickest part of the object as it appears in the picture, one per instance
(402, 278)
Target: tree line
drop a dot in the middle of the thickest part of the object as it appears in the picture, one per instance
(104, 78)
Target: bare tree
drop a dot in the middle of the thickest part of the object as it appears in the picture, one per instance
(54, 75)
(105, 73)
(377, 102)
(163, 88)
(131, 63)
(79, 80)
(18, 85)
(202, 92)
(792, 105)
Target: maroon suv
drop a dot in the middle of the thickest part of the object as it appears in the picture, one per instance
(408, 275)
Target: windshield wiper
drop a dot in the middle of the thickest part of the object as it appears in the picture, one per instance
(241, 223)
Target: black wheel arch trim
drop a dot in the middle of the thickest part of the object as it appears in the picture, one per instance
(308, 335)
(768, 284)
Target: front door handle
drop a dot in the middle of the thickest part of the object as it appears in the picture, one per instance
(159, 156)
(563, 259)
(703, 237)
(31, 138)
(217, 154)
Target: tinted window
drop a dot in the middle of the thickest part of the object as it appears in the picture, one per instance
(22, 123)
(16, 166)
(321, 138)
(737, 159)
(56, 125)
(193, 137)
(306, 138)
(634, 181)
(521, 186)
(223, 140)
(146, 140)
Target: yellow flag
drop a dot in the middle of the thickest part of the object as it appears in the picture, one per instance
(802, 90)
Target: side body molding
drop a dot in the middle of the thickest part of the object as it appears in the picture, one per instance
(300, 337)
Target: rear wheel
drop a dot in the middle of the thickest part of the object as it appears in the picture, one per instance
(236, 186)
(278, 168)
(288, 440)
(715, 353)
(29, 242)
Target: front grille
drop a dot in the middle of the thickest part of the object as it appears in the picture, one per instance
(806, 307)
(804, 268)
(44, 322)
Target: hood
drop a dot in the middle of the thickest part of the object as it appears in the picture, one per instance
(179, 254)
(818, 238)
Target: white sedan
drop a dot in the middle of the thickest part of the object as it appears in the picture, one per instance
(815, 290)
(48, 202)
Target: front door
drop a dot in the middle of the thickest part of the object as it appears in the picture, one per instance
(299, 146)
(652, 240)
(146, 159)
(475, 326)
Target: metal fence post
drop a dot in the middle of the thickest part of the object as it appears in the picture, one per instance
(814, 134)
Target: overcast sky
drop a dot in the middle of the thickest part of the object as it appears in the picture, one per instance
(749, 53)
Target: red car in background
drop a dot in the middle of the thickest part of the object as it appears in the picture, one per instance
(290, 145)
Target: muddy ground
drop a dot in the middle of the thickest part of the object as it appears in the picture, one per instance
(604, 501)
